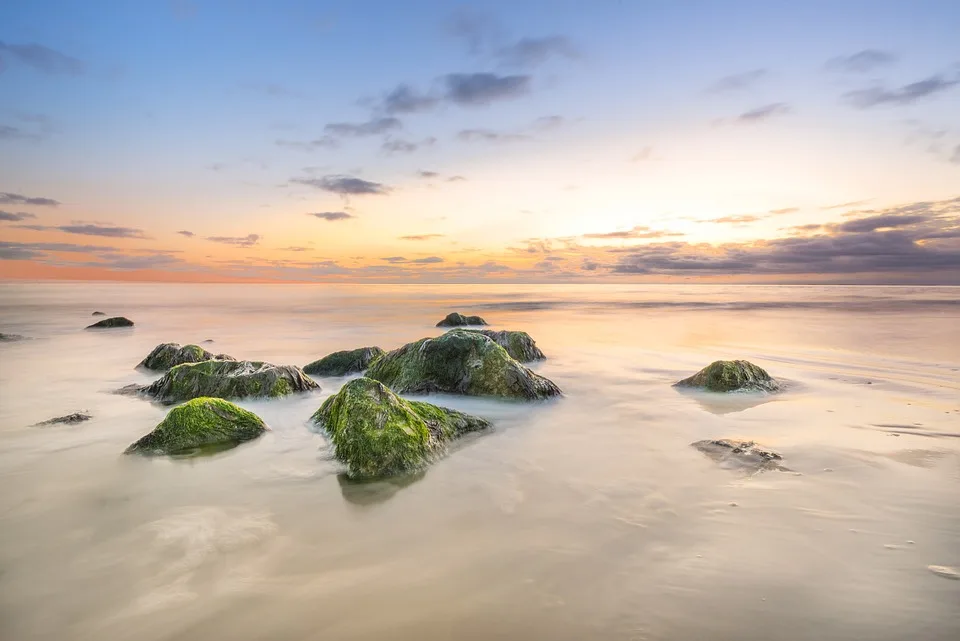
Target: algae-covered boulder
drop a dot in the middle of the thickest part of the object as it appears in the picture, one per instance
(731, 376)
(228, 379)
(456, 319)
(110, 323)
(520, 345)
(167, 355)
(345, 362)
(377, 433)
(459, 362)
(200, 424)
(745, 456)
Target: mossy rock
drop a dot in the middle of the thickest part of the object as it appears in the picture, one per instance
(732, 376)
(11, 338)
(520, 345)
(69, 419)
(228, 379)
(746, 456)
(200, 424)
(98, 314)
(376, 433)
(110, 323)
(456, 319)
(345, 362)
(459, 362)
(168, 355)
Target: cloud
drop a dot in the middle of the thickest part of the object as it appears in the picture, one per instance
(422, 236)
(735, 220)
(324, 142)
(7, 198)
(188, 234)
(43, 58)
(423, 173)
(530, 52)
(331, 216)
(475, 89)
(429, 260)
(394, 259)
(102, 230)
(246, 241)
(861, 62)
(32, 251)
(398, 146)
(639, 231)
(785, 210)
(295, 249)
(739, 81)
(344, 185)
(369, 128)
(955, 158)
(644, 154)
(487, 135)
(404, 99)
(20, 215)
(15, 133)
(766, 112)
(905, 95)
(454, 179)
(546, 123)
(478, 30)
(852, 203)
(882, 221)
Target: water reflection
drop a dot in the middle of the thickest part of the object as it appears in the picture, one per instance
(374, 491)
(729, 403)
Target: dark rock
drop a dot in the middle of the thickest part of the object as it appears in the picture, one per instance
(459, 362)
(228, 379)
(11, 338)
(69, 419)
(345, 362)
(376, 433)
(209, 340)
(456, 319)
(109, 323)
(199, 424)
(732, 376)
(519, 345)
(98, 314)
(168, 355)
(742, 455)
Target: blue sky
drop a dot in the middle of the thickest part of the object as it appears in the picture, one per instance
(607, 134)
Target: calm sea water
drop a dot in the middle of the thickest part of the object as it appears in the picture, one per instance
(589, 517)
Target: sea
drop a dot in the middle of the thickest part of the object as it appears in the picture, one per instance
(586, 517)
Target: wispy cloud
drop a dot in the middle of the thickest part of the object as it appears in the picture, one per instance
(852, 203)
(6, 198)
(738, 81)
(429, 260)
(369, 128)
(331, 216)
(639, 231)
(400, 146)
(11, 216)
(423, 173)
(472, 89)
(861, 62)
(644, 154)
(735, 220)
(188, 234)
(955, 158)
(905, 95)
(43, 58)
(421, 236)
(761, 114)
(488, 135)
(785, 210)
(245, 241)
(344, 185)
(324, 142)
(102, 230)
(405, 99)
(453, 179)
(8, 132)
(531, 52)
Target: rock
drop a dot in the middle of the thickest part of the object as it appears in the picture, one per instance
(209, 340)
(228, 379)
(376, 433)
(168, 355)
(731, 376)
(945, 571)
(518, 344)
(11, 338)
(459, 362)
(69, 419)
(200, 423)
(98, 314)
(742, 455)
(456, 319)
(345, 362)
(109, 323)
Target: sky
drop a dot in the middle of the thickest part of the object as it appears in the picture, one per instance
(432, 141)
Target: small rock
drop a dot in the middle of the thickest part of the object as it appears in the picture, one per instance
(98, 314)
(200, 423)
(10, 338)
(167, 355)
(945, 571)
(344, 362)
(828, 469)
(520, 345)
(455, 319)
(910, 542)
(228, 379)
(743, 455)
(110, 323)
(733, 504)
(731, 376)
(69, 419)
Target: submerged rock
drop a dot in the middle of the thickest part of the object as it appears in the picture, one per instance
(945, 571)
(520, 345)
(98, 314)
(167, 355)
(459, 362)
(731, 376)
(742, 455)
(69, 419)
(345, 362)
(456, 319)
(228, 379)
(200, 423)
(377, 433)
(108, 323)
(11, 338)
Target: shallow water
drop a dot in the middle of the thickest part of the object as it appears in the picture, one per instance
(588, 517)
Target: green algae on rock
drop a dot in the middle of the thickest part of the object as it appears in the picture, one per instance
(377, 433)
(110, 323)
(456, 319)
(198, 424)
(459, 362)
(731, 376)
(344, 362)
(228, 379)
(520, 345)
(167, 355)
